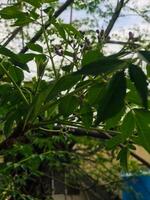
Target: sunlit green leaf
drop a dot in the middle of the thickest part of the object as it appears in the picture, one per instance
(91, 56)
(35, 47)
(11, 12)
(14, 58)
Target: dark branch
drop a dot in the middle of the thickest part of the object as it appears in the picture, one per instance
(97, 135)
(70, 130)
(12, 36)
(115, 16)
(47, 24)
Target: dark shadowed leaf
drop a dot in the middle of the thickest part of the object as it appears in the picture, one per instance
(113, 99)
(148, 70)
(64, 83)
(95, 93)
(103, 65)
(123, 157)
(143, 126)
(86, 115)
(145, 55)
(115, 121)
(8, 125)
(67, 105)
(114, 141)
(139, 79)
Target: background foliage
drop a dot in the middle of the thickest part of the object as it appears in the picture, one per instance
(84, 104)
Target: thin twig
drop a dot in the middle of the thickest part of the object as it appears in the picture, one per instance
(47, 44)
(97, 135)
(12, 36)
(47, 24)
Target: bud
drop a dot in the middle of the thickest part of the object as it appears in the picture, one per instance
(97, 31)
(131, 36)
(102, 33)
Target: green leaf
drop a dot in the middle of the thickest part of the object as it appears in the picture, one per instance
(148, 70)
(41, 62)
(95, 93)
(143, 126)
(11, 12)
(17, 74)
(103, 65)
(86, 114)
(123, 157)
(114, 121)
(64, 83)
(114, 141)
(71, 30)
(14, 58)
(68, 105)
(113, 99)
(50, 92)
(60, 30)
(91, 56)
(34, 3)
(9, 121)
(127, 126)
(35, 108)
(27, 57)
(35, 47)
(67, 68)
(25, 20)
(132, 94)
(145, 55)
(139, 79)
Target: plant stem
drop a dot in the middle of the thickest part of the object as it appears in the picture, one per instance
(49, 50)
(47, 24)
(50, 104)
(15, 84)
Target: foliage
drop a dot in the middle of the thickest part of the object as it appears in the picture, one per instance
(87, 94)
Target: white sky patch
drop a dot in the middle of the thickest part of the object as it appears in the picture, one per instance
(140, 3)
(120, 31)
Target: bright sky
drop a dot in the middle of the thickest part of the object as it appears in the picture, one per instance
(124, 24)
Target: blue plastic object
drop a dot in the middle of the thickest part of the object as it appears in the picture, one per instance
(136, 187)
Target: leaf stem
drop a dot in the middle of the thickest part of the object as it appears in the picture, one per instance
(47, 44)
(15, 84)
